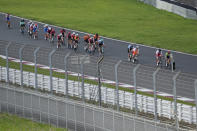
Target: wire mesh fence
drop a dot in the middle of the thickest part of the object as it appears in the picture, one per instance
(65, 113)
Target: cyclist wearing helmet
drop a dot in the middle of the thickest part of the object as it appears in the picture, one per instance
(69, 40)
(130, 48)
(59, 40)
(158, 55)
(63, 31)
(135, 53)
(35, 31)
(100, 45)
(52, 34)
(96, 37)
(22, 25)
(46, 31)
(85, 38)
(169, 58)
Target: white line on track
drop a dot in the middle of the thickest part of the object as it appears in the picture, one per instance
(103, 36)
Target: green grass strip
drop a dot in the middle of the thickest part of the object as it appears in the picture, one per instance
(14, 123)
(29, 68)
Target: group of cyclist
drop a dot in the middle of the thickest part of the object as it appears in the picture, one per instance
(133, 53)
(93, 43)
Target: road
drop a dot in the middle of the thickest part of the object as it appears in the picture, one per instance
(117, 50)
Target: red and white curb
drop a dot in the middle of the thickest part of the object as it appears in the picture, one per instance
(103, 80)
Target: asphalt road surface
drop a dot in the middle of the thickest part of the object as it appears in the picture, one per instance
(117, 50)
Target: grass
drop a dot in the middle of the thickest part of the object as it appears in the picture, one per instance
(28, 68)
(14, 123)
(128, 20)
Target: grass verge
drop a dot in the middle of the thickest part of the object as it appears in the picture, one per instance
(28, 68)
(14, 123)
(128, 20)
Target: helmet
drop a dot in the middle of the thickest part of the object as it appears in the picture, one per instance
(22, 20)
(73, 33)
(49, 28)
(159, 50)
(137, 47)
(77, 34)
(96, 34)
(46, 25)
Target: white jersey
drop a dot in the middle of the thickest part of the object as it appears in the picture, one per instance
(157, 53)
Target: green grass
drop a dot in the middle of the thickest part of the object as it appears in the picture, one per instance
(121, 19)
(15, 123)
(28, 68)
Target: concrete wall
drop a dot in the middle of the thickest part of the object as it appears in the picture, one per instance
(182, 11)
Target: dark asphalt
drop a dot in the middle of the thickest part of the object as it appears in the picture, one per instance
(114, 51)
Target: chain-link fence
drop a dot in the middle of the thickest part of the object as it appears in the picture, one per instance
(65, 113)
(77, 75)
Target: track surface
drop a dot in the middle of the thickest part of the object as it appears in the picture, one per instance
(118, 50)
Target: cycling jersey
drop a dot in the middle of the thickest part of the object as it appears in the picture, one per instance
(73, 36)
(35, 28)
(62, 31)
(7, 17)
(96, 37)
(168, 56)
(158, 54)
(22, 23)
(100, 42)
(69, 36)
(52, 32)
(135, 51)
(91, 40)
(45, 29)
(59, 36)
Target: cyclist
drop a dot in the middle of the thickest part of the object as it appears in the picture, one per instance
(59, 40)
(100, 46)
(8, 19)
(158, 55)
(29, 24)
(91, 45)
(169, 58)
(63, 32)
(76, 41)
(52, 35)
(96, 38)
(130, 48)
(22, 25)
(35, 31)
(86, 38)
(135, 53)
(46, 36)
(72, 39)
(69, 40)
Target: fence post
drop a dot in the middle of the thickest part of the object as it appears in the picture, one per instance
(21, 64)
(175, 97)
(82, 75)
(66, 73)
(117, 86)
(155, 92)
(135, 88)
(50, 65)
(7, 63)
(99, 78)
(195, 84)
(35, 68)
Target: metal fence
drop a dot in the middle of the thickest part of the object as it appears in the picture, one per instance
(65, 113)
(85, 67)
